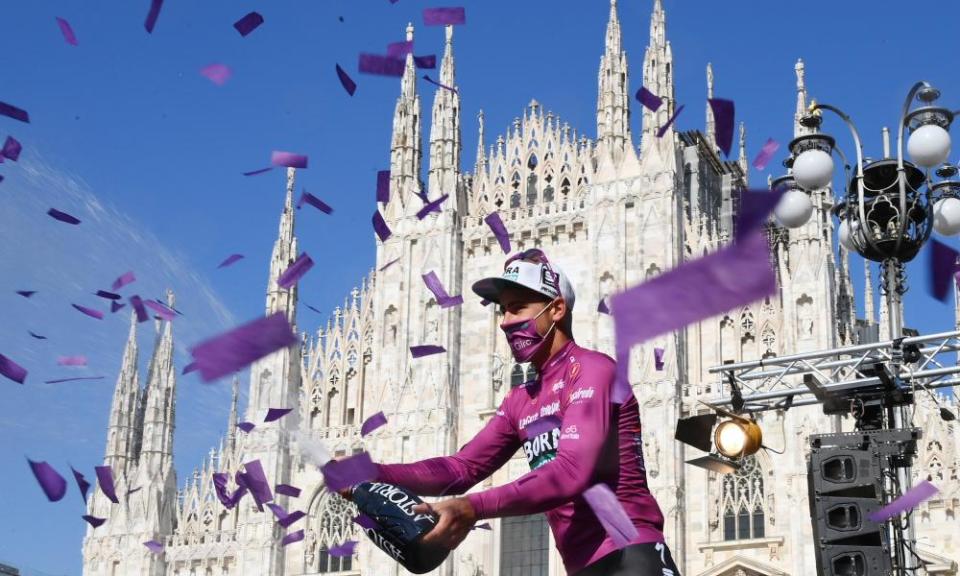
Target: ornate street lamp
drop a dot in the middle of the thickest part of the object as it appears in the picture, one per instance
(886, 214)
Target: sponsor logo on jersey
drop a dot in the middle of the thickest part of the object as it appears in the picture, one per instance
(570, 433)
(581, 393)
(574, 369)
(542, 448)
(558, 386)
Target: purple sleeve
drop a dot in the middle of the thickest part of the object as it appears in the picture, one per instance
(584, 433)
(479, 458)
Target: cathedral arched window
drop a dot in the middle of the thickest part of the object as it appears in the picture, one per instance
(565, 188)
(517, 377)
(742, 502)
(524, 545)
(515, 194)
(531, 189)
(769, 339)
(332, 525)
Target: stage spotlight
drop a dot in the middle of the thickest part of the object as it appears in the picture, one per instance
(738, 437)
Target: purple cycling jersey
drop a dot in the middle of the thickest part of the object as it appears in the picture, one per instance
(579, 439)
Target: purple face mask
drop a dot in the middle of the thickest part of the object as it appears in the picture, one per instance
(523, 337)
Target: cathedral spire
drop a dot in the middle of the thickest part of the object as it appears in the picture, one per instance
(232, 420)
(121, 432)
(284, 254)
(481, 164)
(156, 453)
(711, 121)
(869, 311)
(846, 306)
(658, 74)
(742, 158)
(405, 145)
(613, 94)
(445, 133)
(800, 70)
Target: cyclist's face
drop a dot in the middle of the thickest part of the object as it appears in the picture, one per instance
(522, 304)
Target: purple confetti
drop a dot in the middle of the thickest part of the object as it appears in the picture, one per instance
(731, 277)
(366, 522)
(907, 501)
(484, 526)
(381, 65)
(37, 336)
(435, 83)
(542, 426)
(346, 81)
(63, 216)
(723, 114)
(399, 49)
(611, 514)
(388, 264)
(350, 471)
(76, 379)
(108, 295)
(766, 154)
(238, 348)
(191, 367)
(154, 546)
(499, 230)
(277, 510)
(295, 271)
(256, 481)
(602, 306)
(139, 308)
(345, 549)
(260, 171)
(292, 537)
(105, 481)
(665, 127)
(650, 100)
(231, 259)
(308, 198)
(291, 518)
(248, 23)
(755, 208)
(51, 482)
(217, 73)
(26, 293)
(383, 186)
(943, 265)
(12, 111)
(427, 62)
(658, 358)
(287, 490)
(436, 287)
(432, 206)
(444, 16)
(12, 370)
(72, 361)
(93, 520)
(152, 15)
(89, 311)
(276, 414)
(372, 423)
(426, 350)
(288, 159)
(82, 484)
(123, 280)
(311, 307)
(163, 311)
(380, 227)
(11, 148)
(246, 426)
(67, 31)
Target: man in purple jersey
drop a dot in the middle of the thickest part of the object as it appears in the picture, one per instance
(577, 439)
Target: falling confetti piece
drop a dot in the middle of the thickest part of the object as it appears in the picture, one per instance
(288, 159)
(230, 260)
(248, 23)
(766, 154)
(346, 81)
(63, 216)
(152, 15)
(217, 73)
(67, 31)
(444, 16)
(12, 111)
(650, 100)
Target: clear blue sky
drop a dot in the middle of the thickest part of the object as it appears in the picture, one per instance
(127, 135)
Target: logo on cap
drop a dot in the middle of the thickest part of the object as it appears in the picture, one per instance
(550, 280)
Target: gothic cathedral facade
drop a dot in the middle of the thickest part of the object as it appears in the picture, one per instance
(612, 211)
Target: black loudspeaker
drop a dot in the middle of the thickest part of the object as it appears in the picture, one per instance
(844, 478)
